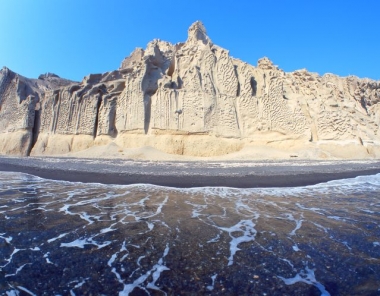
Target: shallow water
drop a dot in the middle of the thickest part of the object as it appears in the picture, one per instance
(64, 238)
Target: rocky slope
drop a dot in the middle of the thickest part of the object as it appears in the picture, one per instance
(192, 99)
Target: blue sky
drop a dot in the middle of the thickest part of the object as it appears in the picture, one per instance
(73, 38)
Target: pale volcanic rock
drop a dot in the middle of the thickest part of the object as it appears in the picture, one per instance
(191, 99)
(133, 60)
(19, 104)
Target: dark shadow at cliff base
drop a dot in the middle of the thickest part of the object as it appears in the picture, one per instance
(147, 112)
(35, 130)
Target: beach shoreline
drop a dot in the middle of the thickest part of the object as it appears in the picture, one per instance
(239, 174)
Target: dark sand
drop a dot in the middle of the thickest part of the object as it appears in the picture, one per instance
(190, 174)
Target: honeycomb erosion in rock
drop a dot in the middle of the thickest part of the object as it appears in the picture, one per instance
(193, 99)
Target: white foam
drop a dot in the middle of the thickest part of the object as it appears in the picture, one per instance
(321, 227)
(9, 260)
(214, 240)
(123, 247)
(211, 287)
(139, 259)
(197, 209)
(65, 209)
(296, 249)
(7, 239)
(249, 233)
(158, 211)
(82, 215)
(17, 270)
(343, 186)
(337, 218)
(80, 243)
(150, 225)
(356, 184)
(298, 224)
(367, 211)
(56, 238)
(130, 287)
(346, 244)
(87, 217)
(112, 259)
(315, 210)
(108, 229)
(243, 206)
(80, 284)
(156, 270)
(117, 275)
(26, 290)
(306, 276)
(240, 205)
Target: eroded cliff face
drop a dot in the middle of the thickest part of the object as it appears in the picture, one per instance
(191, 98)
(19, 104)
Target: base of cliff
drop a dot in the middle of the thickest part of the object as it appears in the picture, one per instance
(199, 147)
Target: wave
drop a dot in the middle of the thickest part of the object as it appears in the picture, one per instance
(341, 186)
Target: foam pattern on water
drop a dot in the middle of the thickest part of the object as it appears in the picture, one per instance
(70, 238)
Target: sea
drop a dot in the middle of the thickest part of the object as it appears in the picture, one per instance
(68, 238)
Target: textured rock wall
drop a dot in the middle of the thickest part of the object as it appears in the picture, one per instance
(17, 111)
(19, 105)
(17, 102)
(190, 98)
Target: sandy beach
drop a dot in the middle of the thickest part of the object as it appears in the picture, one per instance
(190, 174)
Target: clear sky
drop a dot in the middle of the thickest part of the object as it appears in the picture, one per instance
(73, 38)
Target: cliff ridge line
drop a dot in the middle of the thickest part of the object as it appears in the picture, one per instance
(192, 99)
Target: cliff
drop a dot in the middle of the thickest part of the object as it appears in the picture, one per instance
(192, 99)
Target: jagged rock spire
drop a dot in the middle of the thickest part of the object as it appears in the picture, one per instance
(266, 64)
(5, 71)
(197, 32)
(48, 75)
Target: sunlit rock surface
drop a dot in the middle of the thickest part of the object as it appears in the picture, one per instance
(192, 99)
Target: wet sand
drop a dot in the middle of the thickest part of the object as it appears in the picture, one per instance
(190, 174)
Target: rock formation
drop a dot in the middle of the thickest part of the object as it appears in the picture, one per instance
(191, 98)
(19, 103)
